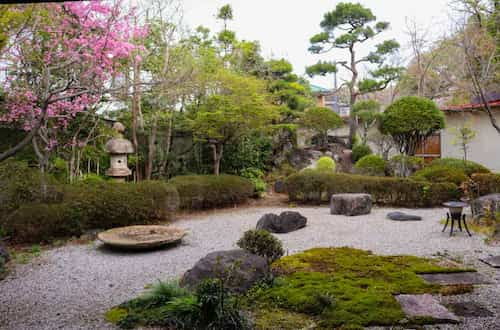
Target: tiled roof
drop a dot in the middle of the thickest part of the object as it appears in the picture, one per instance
(470, 107)
(319, 89)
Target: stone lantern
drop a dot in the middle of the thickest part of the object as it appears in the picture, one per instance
(118, 149)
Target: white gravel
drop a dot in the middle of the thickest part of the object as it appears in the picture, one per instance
(72, 286)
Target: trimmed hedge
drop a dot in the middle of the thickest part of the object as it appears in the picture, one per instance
(316, 187)
(439, 174)
(359, 151)
(487, 183)
(468, 167)
(211, 191)
(92, 206)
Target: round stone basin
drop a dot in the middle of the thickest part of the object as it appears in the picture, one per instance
(141, 237)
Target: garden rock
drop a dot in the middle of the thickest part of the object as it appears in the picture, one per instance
(286, 222)
(489, 204)
(401, 216)
(426, 306)
(4, 254)
(240, 270)
(351, 204)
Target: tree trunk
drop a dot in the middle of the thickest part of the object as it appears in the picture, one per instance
(217, 154)
(151, 148)
(164, 165)
(353, 96)
(136, 105)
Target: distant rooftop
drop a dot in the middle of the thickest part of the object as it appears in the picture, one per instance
(319, 89)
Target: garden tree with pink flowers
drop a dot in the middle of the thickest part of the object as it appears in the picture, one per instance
(62, 64)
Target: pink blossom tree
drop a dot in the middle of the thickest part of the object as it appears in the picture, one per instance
(63, 64)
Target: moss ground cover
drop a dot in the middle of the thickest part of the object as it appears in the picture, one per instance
(339, 287)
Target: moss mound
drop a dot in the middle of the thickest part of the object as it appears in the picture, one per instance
(340, 287)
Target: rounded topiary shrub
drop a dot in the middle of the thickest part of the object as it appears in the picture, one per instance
(468, 167)
(262, 243)
(440, 174)
(210, 191)
(371, 165)
(326, 164)
(359, 151)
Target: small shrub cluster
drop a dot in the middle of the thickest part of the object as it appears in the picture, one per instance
(326, 164)
(371, 165)
(210, 191)
(170, 306)
(486, 183)
(440, 173)
(316, 187)
(404, 166)
(91, 206)
(359, 151)
(262, 243)
(468, 167)
(257, 177)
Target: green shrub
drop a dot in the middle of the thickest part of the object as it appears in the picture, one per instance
(359, 151)
(34, 223)
(257, 177)
(95, 206)
(468, 167)
(311, 186)
(404, 166)
(92, 179)
(486, 183)
(326, 164)
(371, 165)
(22, 184)
(262, 243)
(113, 204)
(210, 191)
(439, 174)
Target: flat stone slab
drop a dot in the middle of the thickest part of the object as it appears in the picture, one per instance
(425, 305)
(469, 309)
(493, 261)
(401, 216)
(141, 237)
(455, 278)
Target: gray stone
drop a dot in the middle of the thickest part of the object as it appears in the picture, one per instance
(493, 261)
(286, 222)
(240, 270)
(469, 309)
(4, 254)
(425, 305)
(351, 204)
(279, 187)
(455, 278)
(489, 204)
(401, 216)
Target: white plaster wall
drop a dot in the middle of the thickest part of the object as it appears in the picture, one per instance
(484, 149)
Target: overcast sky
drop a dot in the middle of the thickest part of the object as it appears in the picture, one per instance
(283, 27)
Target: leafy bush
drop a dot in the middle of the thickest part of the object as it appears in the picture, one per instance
(359, 151)
(402, 165)
(262, 243)
(326, 164)
(468, 167)
(34, 223)
(486, 183)
(84, 206)
(371, 165)
(257, 177)
(210, 191)
(168, 305)
(22, 184)
(438, 174)
(315, 187)
(254, 151)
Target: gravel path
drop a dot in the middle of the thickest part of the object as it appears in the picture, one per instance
(72, 286)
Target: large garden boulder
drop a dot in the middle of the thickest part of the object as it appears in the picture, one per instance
(4, 254)
(489, 204)
(239, 269)
(401, 216)
(351, 204)
(286, 222)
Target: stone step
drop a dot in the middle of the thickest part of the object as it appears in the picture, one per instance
(426, 306)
